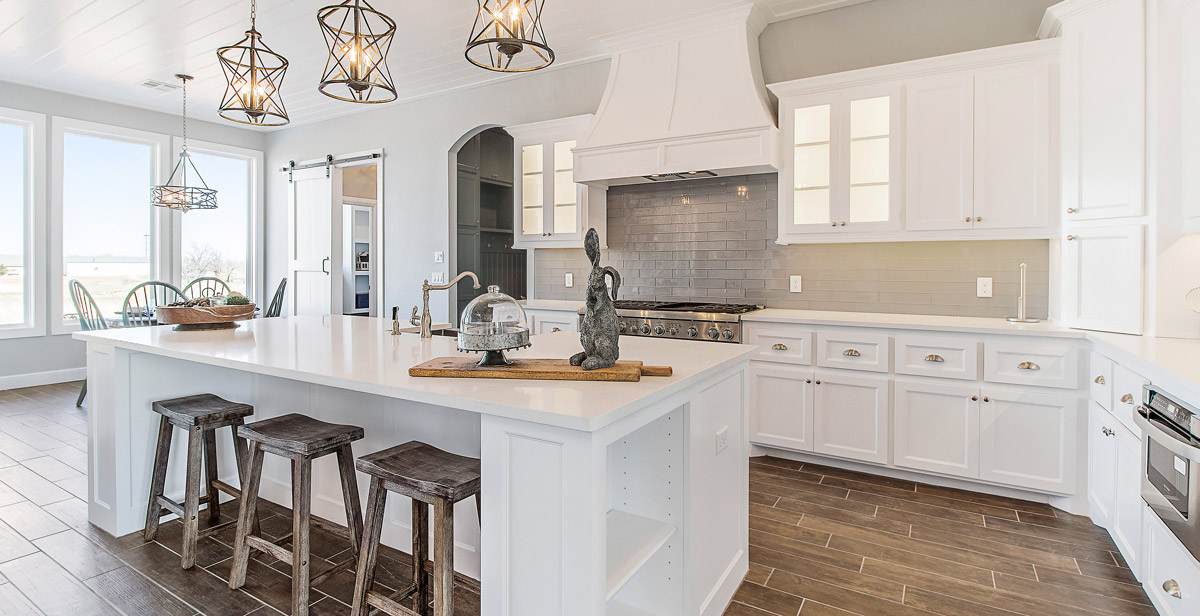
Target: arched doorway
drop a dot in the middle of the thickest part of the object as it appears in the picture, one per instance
(481, 214)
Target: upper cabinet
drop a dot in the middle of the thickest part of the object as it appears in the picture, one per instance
(911, 151)
(845, 154)
(551, 210)
(1103, 106)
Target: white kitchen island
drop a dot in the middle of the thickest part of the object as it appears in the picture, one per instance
(598, 498)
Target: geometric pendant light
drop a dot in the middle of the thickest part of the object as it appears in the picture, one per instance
(503, 31)
(179, 195)
(253, 76)
(358, 38)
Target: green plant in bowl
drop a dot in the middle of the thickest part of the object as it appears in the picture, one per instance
(237, 300)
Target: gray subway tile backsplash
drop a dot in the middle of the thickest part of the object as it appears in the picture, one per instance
(714, 239)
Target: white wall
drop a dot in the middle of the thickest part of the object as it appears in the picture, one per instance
(24, 356)
(417, 137)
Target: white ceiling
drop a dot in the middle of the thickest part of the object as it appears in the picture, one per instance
(105, 49)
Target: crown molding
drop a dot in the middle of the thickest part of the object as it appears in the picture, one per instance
(1052, 20)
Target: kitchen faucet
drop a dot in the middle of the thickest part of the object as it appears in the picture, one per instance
(425, 321)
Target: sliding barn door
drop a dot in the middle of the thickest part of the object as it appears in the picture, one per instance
(314, 234)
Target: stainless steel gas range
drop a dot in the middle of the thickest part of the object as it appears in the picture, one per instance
(684, 320)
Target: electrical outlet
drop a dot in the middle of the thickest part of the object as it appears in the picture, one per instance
(722, 439)
(983, 287)
(438, 278)
(569, 280)
(439, 257)
(795, 286)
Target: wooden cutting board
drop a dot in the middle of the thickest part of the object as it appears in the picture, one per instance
(536, 369)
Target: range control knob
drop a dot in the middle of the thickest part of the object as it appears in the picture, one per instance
(728, 334)
(713, 333)
(659, 329)
(621, 326)
(693, 332)
(645, 329)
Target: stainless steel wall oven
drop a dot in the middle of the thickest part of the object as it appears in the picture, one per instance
(1171, 464)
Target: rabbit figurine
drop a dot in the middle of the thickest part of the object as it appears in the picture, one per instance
(598, 334)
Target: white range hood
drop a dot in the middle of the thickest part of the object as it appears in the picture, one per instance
(686, 97)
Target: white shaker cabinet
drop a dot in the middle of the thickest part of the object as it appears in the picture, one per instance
(852, 416)
(1102, 272)
(1102, 465)
(940, 134)
(1103, 107)
(935, 427)
(781, 403)
(1126, 526)
(551, 321)
(1028, 439)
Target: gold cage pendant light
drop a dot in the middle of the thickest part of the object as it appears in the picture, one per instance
(358, 37)
(253, 77)
(181, 196)
(508, 37)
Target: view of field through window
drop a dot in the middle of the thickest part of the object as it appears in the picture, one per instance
(216, 242)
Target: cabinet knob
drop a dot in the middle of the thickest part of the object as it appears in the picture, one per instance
(1127, 398)
(843, 223)
(1171, 587)
(808, 380)
(987, 399)
(1106, 432)
(979, 219)
(556, 329)
(851, 353)
(1099, 380)
(1071, 238)
(974, 398)
(1028, 365)
(818, 381)
(936, 359)
(967, 219)
(835, 223)
(1072, 210)
(779, 346)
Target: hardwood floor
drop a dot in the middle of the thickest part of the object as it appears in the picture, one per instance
(823, 542)
(828, 542)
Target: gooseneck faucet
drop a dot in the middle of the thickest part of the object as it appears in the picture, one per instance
(425, 321)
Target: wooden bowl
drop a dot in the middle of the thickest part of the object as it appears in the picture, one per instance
(189, 318)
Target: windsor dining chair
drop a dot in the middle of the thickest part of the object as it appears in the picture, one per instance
(205, 286)
(138, 308)
(90, 319)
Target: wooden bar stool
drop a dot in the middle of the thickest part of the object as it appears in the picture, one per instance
(301, 439)
(200, 415)
(428, 476)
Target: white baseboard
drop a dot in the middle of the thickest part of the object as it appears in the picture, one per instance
(33, 379)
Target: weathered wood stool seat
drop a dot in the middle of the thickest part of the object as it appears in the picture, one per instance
(301, 439)
(200, 415)
(428, 476)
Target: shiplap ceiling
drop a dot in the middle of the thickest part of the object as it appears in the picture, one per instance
(105, 49)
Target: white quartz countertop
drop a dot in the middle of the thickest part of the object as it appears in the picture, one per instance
(553, 304)
(972, 325)
(1172, 363)
(356, 353)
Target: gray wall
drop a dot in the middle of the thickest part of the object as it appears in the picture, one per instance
(715, 239)
(417, 138)
(50, 353)
(889, 31)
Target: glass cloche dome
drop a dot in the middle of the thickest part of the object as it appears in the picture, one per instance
(493, 323)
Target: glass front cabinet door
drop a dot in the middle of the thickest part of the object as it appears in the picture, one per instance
(552, 211)
(846, 162)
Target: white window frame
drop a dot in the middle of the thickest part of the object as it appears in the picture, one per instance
(255, 276)
(160, 225)
(34, 265)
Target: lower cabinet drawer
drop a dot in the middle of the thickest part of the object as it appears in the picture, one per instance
(1169, 568)
(943, 356)
(1024, 362)
(781, 343)
(854, 350)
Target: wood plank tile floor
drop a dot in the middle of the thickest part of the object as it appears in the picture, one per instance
(823, 542)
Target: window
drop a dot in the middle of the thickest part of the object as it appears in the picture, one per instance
(219, 243)
(106, 231)
(22, 172)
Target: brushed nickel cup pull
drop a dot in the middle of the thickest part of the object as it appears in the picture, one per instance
(1028, 365)
(1172, 588)
(1127, 398)
(936, 359)
(556, 329)
(851, 353)
(1099, 380)
(779, 346)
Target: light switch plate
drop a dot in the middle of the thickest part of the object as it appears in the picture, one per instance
(569, 280)
(439, 257)
(438, 278)
(795, 286)
(983, 287)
